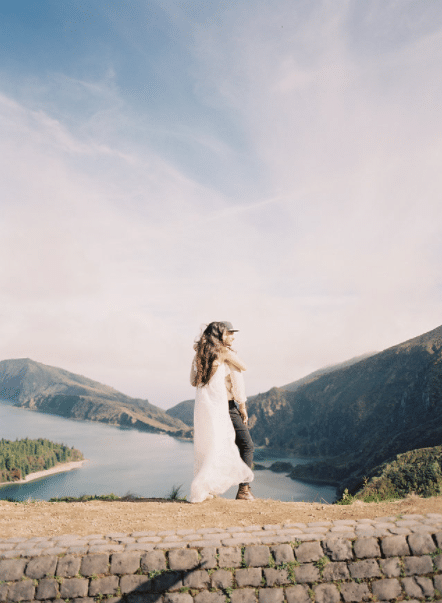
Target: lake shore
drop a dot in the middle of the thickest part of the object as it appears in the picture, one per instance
(61, 468)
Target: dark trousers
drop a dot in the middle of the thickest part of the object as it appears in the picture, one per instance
(243, 439)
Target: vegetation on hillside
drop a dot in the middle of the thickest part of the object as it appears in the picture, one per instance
(416, 471)
(22, 457)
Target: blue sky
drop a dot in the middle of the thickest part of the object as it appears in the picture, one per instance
(169, 163)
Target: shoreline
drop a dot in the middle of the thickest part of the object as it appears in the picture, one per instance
(61, 468)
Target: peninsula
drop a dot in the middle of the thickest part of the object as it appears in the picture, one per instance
(26, 460)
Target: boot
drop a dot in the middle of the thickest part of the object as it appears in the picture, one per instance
(244, 493)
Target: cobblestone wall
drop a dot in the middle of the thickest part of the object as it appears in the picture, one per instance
(326, 571)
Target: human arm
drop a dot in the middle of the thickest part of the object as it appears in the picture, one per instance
(228, 355)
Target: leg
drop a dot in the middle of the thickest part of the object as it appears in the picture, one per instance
(243, 438)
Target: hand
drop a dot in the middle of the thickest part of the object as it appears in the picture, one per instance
(243, 413)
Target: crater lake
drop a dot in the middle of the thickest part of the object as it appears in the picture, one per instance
(126, 461)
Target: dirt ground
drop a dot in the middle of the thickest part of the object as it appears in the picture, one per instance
(98, 517)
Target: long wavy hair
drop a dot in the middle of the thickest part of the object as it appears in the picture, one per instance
(208, 348)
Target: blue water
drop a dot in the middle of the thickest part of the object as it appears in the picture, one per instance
(123, 461)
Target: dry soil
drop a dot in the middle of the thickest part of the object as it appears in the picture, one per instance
(98, 517)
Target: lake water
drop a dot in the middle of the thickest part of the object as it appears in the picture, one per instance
(123, 461)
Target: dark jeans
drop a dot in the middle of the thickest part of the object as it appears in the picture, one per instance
(243, 438)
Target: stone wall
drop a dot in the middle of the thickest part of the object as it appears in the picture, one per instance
(330, 570)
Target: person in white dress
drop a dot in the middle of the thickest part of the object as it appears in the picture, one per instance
(216, 373)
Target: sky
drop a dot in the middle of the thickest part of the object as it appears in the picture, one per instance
(168, 163)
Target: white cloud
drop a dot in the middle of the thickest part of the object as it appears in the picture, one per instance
(113, 255)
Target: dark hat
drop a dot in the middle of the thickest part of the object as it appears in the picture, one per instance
(228, 325)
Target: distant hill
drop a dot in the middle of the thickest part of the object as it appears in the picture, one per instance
(292, 387)
(358, 416)
(183, 411)
(30, 384)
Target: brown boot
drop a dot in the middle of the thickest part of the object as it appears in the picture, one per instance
(244, 493)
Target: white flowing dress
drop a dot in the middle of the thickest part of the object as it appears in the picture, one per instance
(217, 462)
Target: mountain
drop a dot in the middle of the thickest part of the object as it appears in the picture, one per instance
(292, 387)
(357, 416)
(184, 410)
(52, 390)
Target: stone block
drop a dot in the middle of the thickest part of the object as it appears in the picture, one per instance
(418, 565)
(276, 577)
(169, 581)
(208, 558)
(243, 595)
(386, 589)
(47, 589)
(257, 556)
(368, 568)
(221, 579)
(206, 543)
(39, 567)
(106, 548)
(309, 551)
(177, 598)
(338, 549)
(438, 539)
(68, 567)
(94, 565)
(307, 573)
(12, 569)
(326, 593)
(395, 546)
(438, 562)
(196, 579)
(229, 557)
(124, 563)
(103, 586)
(250, 576)
(183, 559)
(271, 595)
(3, 592)
(366, 548)
(153, 561)
(72, 588)
(282, 553)
(412, 589)
(335, 571)
(207, 597)
(438, 583)
(421, 544)
(21, 591)
(134, 583)
(426, 585)
(353, 592)
(391, 567)
(297, 594)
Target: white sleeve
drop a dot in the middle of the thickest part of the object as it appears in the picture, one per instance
(238, 386)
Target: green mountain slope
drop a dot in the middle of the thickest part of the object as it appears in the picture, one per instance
(358, 416)
(418, 471)
(48, 389)
(183, 411)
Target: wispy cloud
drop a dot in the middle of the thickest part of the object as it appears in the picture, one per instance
(291, 184)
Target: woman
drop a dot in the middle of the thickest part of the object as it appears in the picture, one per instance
(216, 370)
